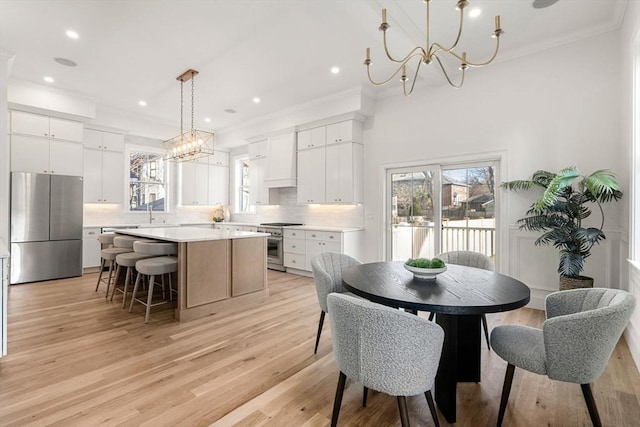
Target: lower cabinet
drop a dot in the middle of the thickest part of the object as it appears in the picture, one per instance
(91, 247)
(301, 246)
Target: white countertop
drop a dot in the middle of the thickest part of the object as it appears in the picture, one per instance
(322, 228)
(188, 234)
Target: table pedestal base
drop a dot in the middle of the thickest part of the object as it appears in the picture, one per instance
(460, 361)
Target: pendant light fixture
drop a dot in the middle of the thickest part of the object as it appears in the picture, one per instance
(194, 143)
(430, 53)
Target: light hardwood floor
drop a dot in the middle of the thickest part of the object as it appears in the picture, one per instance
(77, 359)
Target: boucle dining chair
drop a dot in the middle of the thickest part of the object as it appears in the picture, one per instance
(574, 344)
(470, 259)
(327, 270)
(384, 349)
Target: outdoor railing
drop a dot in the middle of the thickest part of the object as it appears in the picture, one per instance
(421, 240)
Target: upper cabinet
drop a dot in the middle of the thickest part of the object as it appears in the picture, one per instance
(335, 133)
(103, 167)
(346, 131)
(258, 150)
(45, 127)
(311, 138)
(331, 171)
(103, 140)
(205, 181)
(42, 144)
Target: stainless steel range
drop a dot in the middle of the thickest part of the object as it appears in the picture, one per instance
(275, 246)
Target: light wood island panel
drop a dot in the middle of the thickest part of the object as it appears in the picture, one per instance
(217, 269)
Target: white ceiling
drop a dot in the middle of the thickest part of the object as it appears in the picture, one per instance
(278, 50)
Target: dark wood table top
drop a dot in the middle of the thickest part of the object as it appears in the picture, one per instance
(459, 290)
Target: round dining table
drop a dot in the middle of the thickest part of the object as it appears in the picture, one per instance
(459, 297)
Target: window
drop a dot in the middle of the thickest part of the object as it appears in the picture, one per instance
(241, 183)
(147, 181)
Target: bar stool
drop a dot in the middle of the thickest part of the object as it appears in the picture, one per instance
(108, 255)
(128, 260)
(161, 263)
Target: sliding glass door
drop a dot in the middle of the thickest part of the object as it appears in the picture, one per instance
(441, 208)
(468, 209)
(413, 213)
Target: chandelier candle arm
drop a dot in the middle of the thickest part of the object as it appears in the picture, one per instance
(431, 50)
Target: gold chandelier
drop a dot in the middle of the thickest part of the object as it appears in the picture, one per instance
(426, 55)
(194, 143)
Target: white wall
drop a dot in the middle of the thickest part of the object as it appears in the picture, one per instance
(545, 111)
(5, 64)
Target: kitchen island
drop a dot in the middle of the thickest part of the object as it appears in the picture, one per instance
(217, 269)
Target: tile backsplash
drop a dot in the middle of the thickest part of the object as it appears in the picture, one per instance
(286, 211)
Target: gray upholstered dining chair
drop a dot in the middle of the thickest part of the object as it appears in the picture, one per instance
(574, 344)
(470, 259)
(327, 270)
(385, 349)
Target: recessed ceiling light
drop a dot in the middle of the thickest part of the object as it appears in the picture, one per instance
(207, 119)
(230, 110)
(474, 13)
(48, 79)
(256, 100)
(72, 34)
(66, 62)
(142, 103)
(335, 70)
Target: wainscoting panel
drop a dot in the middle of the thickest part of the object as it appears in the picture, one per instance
(537, 266)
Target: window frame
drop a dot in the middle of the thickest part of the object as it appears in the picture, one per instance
(129, 149)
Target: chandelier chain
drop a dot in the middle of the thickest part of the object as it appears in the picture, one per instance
(193, 82)
(193, 144)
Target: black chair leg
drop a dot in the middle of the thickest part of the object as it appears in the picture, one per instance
(365, 393)
(486, 330)
(506, 389)
(591, 405)
(431, 316)
(338, 400)
(404, 413)
(432, 407)
(320, 323)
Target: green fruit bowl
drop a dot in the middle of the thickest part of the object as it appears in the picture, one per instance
(425, 273)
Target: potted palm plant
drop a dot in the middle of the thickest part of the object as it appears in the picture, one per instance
(565, 202)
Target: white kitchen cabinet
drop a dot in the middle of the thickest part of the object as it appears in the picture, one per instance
(91, 247)
(195, 183)
(302, 245)
(311, 176)
(281, 161)
(258, 191)
(219, 158)
(100, 140)
(204, 183)
(218, 192)
(346, 131)
(103, 176)
(258, 150)
(45, 126)
(44, 155)
(65, 158)
(344, 172)
(321, 241)
(311, 138)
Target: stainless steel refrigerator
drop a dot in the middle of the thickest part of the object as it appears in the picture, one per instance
(46, 227)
